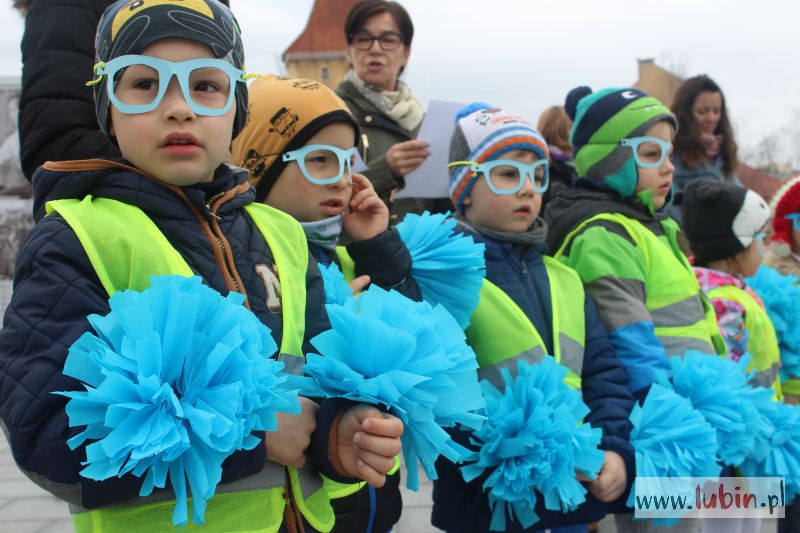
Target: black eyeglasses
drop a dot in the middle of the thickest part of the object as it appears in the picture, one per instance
(363, 40)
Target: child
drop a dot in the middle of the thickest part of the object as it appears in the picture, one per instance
(304, 170)
(724, 224)
(612, 229)
(116, 221)
(783, 253)
(498, 174)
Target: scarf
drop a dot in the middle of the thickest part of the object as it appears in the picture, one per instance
(534, 236)
(324, 233)
(401, 106)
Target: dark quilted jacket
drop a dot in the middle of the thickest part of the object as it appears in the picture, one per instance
(520, 273)
(55, 288)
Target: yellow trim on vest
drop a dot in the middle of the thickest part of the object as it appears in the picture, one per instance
(346, 263)
(316, 508)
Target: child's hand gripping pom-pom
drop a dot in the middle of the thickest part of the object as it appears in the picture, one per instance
(534, 437)
(781, 297)
(777, 450)
(718, 388)
(386, 350)
(672, 440)
(448, 267)
(177, 379)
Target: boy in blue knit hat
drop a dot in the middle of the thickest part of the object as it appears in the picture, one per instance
(530, 306)
(170, 92)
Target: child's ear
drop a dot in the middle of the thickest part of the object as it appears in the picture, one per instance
(467, 200)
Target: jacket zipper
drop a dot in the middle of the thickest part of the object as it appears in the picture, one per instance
(292, 514)
(211, 211)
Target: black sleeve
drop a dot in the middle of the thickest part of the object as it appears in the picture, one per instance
(57, 120)
(386, 260)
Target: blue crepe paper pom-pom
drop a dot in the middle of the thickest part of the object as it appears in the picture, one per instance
(384, 349)
(177, 379)
(672, 439)
(777, 452)
(337, 291)
(534, 437)
(781, 297)
(448, 267)
(718, 388)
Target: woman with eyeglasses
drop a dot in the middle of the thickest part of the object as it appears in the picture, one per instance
(379, 34)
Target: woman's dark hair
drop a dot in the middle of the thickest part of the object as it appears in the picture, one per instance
(687, 141)
(368, 8)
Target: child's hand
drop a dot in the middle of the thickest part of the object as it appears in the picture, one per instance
(358, 284)
(610, 482)
(368, 441)
(367, 215)
(288, 444)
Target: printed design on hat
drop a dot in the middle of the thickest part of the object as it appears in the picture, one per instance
(255, 163)
(284, 122)
(135, 7)
(751, 218)
(307, 85)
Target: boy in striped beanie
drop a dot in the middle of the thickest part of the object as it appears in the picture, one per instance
(530, 305)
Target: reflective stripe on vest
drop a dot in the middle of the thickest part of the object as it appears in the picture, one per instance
(763, 341)
(683, 317)
(128, 263)
(501, 334)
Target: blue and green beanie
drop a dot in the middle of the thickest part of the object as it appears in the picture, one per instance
(600, 121)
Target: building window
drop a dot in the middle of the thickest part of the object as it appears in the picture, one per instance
(325, 74)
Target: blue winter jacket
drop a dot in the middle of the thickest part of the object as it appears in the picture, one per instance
(520, 272)
(56, 288)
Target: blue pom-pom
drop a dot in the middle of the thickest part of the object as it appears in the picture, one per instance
(718, 388)
(777, 452)
(385, 349)
(534, 437)
(573, 97)
(469, 109)
(781, 297)
(672, 439)
(337, 291)
(177, 379)
(448, 267)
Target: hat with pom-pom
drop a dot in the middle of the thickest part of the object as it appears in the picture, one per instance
(785, 201)
(484, 133)
(600, 121)
(720, 219)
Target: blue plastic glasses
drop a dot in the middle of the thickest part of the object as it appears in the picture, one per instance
(505, 176)
(648, 152)
(137, 84)
(323, 164)
(759, 238)
(795, 218)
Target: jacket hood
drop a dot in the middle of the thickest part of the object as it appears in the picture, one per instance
(129, 186)
(570, 207)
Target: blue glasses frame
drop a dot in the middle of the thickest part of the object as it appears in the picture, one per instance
(166, 70)
(759, 238)
(344, 155)
(635, 142)
(795, 218)
(524, 169)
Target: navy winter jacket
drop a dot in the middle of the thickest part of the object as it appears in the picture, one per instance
(520, 273)
(56, 288)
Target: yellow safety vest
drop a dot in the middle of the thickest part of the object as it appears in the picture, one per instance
(682, 315)
(763, 342)
(501, 334)
(125, 248)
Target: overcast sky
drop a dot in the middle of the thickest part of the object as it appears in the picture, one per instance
(525, 55)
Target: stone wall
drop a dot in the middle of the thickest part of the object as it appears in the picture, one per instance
(16, 221)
